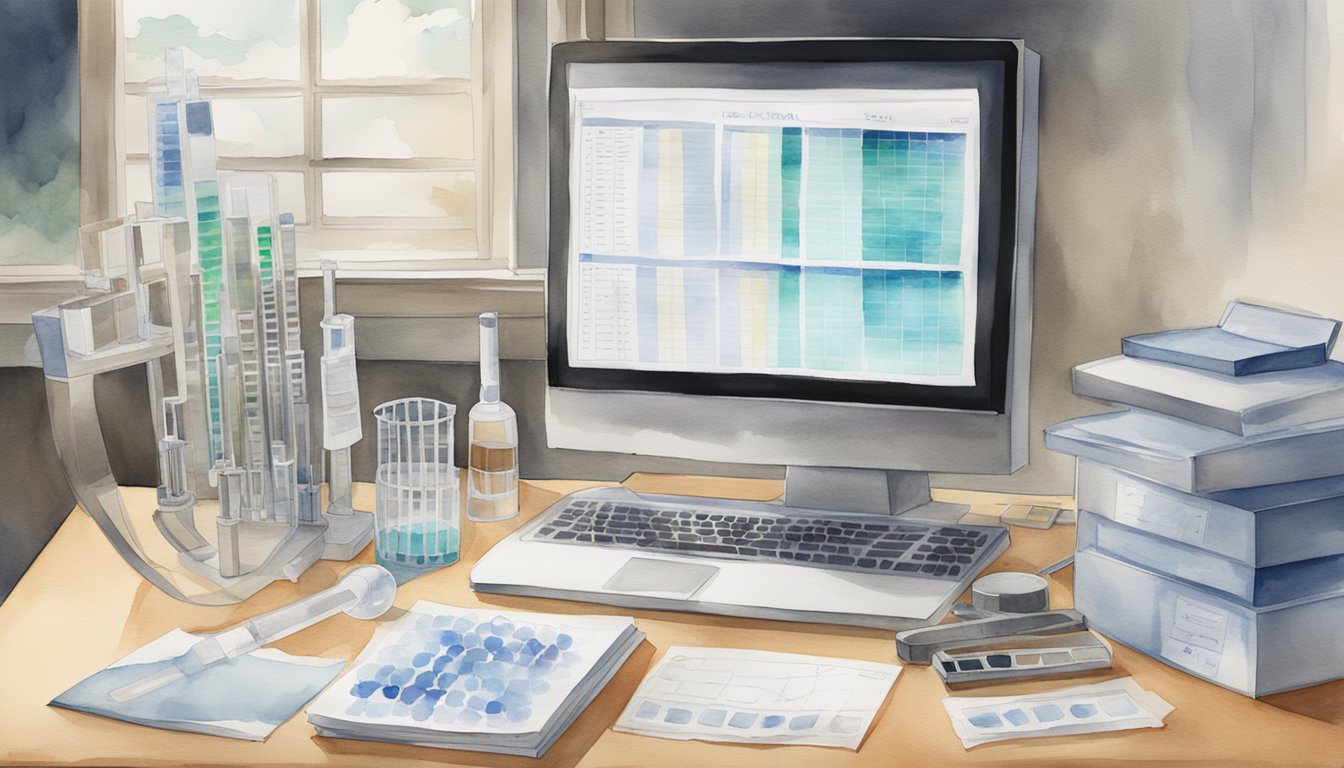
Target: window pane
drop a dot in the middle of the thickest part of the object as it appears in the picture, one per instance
(293, 195)
(265, 127)
(236, 39)
(137, 185)
(398, 126)
(416, 39)
(413, 194)
(135, 119)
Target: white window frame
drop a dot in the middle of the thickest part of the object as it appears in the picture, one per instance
(490, 88)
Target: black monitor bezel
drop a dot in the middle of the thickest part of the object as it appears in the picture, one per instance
(998, 216)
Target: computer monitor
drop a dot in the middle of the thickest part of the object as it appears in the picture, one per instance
(811, 253)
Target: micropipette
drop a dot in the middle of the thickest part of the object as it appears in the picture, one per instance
(364, 593)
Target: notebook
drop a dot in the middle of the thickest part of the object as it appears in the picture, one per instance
(1248, 405)
(474, 679)
(1247, 340)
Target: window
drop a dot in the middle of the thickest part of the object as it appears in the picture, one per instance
(376, 116)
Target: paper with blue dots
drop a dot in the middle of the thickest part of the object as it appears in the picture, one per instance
(761, 697)
(460, 670)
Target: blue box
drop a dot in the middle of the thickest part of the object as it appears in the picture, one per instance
(1255, 586)
(1253, 650)
(1260, 527)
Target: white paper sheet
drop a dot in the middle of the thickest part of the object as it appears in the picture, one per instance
(1114, 705)
(246, 698)
(761, 697)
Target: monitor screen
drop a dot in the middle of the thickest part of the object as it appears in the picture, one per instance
(822, 233)
(820, 220)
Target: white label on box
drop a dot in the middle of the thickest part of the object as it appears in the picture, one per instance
(1159, 514)
(1196, 638)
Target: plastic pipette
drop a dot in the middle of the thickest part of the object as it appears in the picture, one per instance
(364, 593)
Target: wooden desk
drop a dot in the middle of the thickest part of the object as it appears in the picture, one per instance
(80, 607)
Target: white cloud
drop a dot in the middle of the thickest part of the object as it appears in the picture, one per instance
(385, 40)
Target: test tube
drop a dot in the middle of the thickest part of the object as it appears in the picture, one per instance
(172, 453)
(284, 485)
(230, 511)
(341, 427)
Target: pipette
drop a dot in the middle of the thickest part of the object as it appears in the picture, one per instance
(364, 593)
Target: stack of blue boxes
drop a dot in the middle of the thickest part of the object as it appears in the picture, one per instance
(1211, 513)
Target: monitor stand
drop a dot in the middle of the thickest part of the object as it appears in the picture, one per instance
(875, 491)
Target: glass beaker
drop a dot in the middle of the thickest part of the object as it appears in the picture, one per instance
(417, 514)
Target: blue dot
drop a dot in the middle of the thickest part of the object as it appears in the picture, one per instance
(493, 644)
(504, 656)
(411, 692)
(677, 716)
(463, 624)
(402, 676)
(802, 722)
(466, 668)
(469, 716)
(446, 680)
(1047, 713)
(1082, 711)
(519, 686)
(440, 663)
(365, 688)
(524, 633)
(454, 650)
(477, 703)
(1016, 716)
(421, 659)
(493, 685)
(422, 710)
(434, 694)
(494, 707)
(985, 720)
(471, 639)
(550, 654)
(501, 626)
(391, 691)
(772, 721)
(540, 686)
(519, 715)
(534, 646)
(512, 699)
(442, 621)
(564, 641)
(449, 638)
(742, 719)
(471, 683)
(454, 698)
(477, 654)
(385, 672)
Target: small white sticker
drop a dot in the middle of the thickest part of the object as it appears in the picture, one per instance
(1197, 634)
(1160, 514)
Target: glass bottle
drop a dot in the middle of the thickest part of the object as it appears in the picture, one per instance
(492, 435)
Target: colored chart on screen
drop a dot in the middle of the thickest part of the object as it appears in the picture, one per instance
(828, 234)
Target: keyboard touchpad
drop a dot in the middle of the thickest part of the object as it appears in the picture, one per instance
(642, 574)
